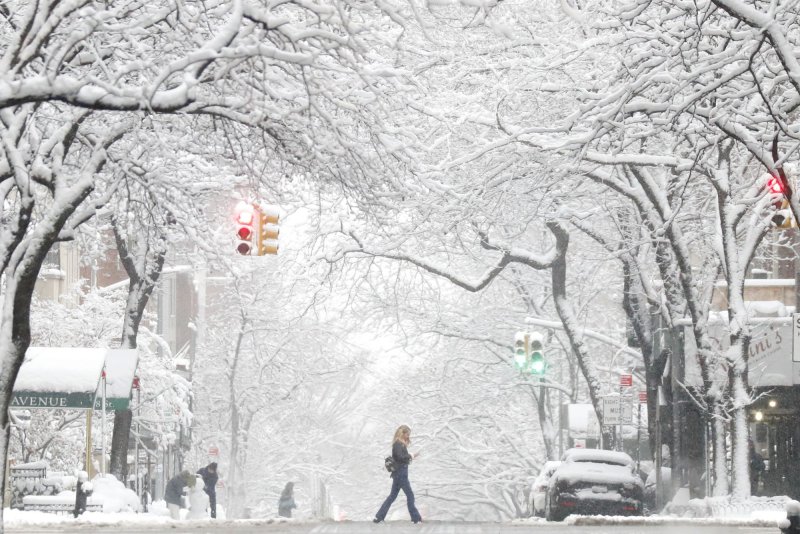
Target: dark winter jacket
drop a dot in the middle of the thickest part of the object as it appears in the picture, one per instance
(209, 480)
(400, 454)
(756, 462)
(175, 489)
(81, 498)
(285, 505)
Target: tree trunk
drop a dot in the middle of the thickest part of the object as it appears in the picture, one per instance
(558, 272)
(119, 445)
(740, 468)
(140, 289)
(720, 487)
(15, 338)
(545, 423)
(121, 435)
(234, 493)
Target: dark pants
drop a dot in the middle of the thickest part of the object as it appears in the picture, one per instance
(80, 503)
(212, 503)
(399, 482)
(754, 477)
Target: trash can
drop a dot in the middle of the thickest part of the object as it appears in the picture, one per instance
(793, 517)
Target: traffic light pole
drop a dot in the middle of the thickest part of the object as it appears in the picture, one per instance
(619, 438)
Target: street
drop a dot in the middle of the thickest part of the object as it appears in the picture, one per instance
(405, 528)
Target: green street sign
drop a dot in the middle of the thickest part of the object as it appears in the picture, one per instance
(32, 399)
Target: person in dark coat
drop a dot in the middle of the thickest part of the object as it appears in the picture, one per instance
(402, 459)
(286, 502)
(210, 478)
(757, 467)
(82, 491)
(174, 492)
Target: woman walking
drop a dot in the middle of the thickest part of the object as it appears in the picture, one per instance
(402, 439)
(286, 502)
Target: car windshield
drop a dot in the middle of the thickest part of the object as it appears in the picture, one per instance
(598, 456)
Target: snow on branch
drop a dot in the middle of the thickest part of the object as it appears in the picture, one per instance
(508, 255)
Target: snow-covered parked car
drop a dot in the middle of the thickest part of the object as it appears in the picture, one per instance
(594, 482)
(540, 485)
(650, 486)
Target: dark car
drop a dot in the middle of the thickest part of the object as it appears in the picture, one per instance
(540, 487)
(594, 482)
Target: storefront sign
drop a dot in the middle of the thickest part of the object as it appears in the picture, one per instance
(769, 360)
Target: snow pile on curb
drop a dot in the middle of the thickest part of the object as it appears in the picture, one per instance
(114, 495)
(17, 519)
(767, 508)
(583, 520)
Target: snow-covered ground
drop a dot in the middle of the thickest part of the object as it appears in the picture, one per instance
(157, 520)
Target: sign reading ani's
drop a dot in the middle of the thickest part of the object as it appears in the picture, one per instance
(26, 399)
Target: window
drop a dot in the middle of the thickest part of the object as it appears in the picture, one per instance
(53, 258)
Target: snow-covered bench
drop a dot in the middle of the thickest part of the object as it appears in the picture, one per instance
(64, 502)
(31, 479)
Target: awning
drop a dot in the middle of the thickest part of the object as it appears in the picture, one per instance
(120, 370)
(59, 377)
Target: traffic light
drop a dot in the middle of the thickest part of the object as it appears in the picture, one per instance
(775, 185)
(782, 218)
(537, 364)
(268, 230)
(245, 228)
(520, 350)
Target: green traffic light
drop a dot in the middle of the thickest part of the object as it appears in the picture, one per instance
(520, 359)
(538, 365)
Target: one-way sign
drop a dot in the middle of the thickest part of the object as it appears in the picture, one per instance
(611, 405)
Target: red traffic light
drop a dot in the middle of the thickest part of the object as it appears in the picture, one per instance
(775, 185)
(245, 227)
(245, 232)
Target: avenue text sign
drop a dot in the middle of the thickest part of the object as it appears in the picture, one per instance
(28, 399)
(796, 337)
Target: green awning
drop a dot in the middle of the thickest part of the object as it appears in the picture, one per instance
(58, 377)
(61, 377)
(120, 369)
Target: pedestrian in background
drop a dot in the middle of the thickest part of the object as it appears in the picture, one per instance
(83, 488)
(402, 459)
(286, 502)
(757, 467)
(210, 478)
(174, 492)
